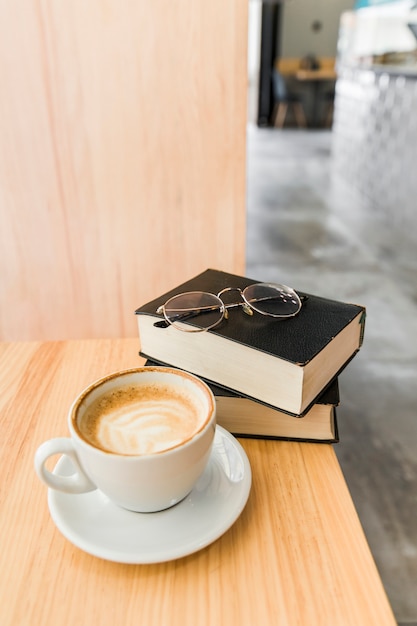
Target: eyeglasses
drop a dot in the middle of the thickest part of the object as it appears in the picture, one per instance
(207, 310)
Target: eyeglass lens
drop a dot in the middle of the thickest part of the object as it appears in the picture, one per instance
(276, 300)
(197, 307)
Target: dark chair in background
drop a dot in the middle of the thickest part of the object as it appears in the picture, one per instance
(282, 99)
(328, 100)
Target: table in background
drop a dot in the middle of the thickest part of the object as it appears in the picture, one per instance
(316, 78)
(297, 555)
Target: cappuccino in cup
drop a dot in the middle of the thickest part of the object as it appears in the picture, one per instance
(142, 419)
(141, 436)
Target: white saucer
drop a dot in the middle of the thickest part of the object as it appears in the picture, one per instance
(97, 526)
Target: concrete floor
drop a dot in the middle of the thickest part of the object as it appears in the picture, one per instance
(308, 230)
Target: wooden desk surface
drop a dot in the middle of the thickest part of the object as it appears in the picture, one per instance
(296, 556)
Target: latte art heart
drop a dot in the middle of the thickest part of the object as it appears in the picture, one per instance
(141, 420)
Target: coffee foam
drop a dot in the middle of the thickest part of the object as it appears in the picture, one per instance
(142, 419)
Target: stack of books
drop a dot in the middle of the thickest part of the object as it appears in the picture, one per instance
(271, 378)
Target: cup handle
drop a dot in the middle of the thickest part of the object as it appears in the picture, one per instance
(75, 483)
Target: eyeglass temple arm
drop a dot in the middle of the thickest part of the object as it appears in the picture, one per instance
(185, 314)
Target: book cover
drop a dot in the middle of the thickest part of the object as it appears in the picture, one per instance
(244, 417)
(283, 363)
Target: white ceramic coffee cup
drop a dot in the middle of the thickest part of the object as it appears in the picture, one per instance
(138, 482)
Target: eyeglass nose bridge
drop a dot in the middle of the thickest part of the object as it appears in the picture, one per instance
(244, 304)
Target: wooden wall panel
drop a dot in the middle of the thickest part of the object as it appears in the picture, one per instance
(122, 157)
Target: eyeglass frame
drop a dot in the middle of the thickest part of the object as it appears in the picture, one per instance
(248, 308)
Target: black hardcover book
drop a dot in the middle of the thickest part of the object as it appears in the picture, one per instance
(244, 417)
(283, 363)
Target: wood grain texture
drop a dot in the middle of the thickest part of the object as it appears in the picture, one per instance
(122, 157)
(296, 556)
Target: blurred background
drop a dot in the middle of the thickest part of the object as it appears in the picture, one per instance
(332, 210)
